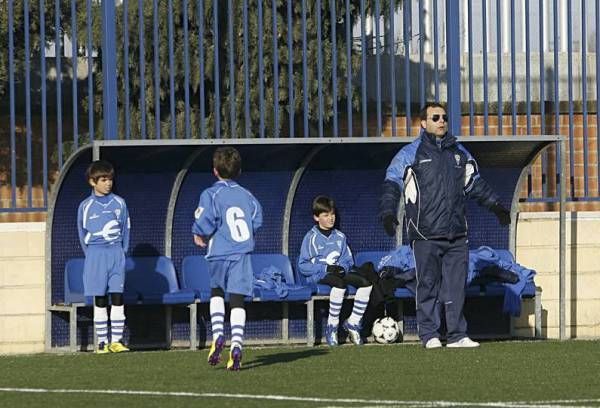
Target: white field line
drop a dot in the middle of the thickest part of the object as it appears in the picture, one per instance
(507, 404)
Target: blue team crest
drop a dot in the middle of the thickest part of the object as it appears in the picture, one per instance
(198, 212)
(457, 158)
(110, 231)
(118, 212)
(331, 258)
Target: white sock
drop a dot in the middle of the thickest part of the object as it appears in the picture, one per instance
(217, 315)
(117, 323)
(101, 324)
(361, 300)
(238, 323)
(336, 298)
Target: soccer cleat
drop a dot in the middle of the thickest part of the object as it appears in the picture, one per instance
(433, 343)
(465, 342)
(117, 347)
(353, 332)
(214, 355)
(331, 335)
(235, 359)
(102, 348)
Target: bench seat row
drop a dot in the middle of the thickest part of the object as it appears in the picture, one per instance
(153, 281)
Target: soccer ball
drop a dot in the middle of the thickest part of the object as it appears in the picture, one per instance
(386, 330)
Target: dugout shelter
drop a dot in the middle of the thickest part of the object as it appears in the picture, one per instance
(161, 181)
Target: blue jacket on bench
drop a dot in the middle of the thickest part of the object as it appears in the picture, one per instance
(402, 258)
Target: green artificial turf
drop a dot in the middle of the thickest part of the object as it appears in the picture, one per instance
(395, 375)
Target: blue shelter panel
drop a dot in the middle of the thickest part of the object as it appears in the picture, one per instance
(59, 336)
(144, 178)
(267, 172)
(182, 244)
(484, 228)
(65, 240)
(352, 176)
(351, 171)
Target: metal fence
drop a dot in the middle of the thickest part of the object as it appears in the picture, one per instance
(75, 71)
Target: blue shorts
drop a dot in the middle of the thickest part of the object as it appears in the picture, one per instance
(103, 270)
(233, 276)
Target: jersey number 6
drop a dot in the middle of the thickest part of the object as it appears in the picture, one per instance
(237, 225)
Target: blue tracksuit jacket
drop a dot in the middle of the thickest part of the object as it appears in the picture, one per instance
(436, 177)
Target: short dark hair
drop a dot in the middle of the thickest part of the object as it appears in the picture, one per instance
(322, 204)
(99, 168)
(423, 114)
(227, 161)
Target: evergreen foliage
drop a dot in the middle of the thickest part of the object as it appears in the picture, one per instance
(195, 19)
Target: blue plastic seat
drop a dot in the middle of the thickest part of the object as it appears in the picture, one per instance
(74, 282)
(194, 271)
(148, 280)
(282, 263)
(152, 280)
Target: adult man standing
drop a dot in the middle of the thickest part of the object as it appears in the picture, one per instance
(437, 175)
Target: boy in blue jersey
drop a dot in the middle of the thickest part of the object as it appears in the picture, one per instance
(226, 220)
(103, 225)
(325, 258)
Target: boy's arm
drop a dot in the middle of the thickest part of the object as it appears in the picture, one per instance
(125, 228)
(80, 231)
(346, 259)
(257, 216)
(315, 271)
(204, 217)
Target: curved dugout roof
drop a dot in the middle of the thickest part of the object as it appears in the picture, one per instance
(161, 181)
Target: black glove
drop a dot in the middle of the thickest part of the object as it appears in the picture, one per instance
(501, 213)
(336, 270)
(388, 272)
(500, 275)
(389, 224)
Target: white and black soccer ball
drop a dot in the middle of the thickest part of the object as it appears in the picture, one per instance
(386, 330)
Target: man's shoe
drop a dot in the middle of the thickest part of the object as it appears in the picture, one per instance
(331, 335)
(117, 347)
(235, 359)
(353, 332)
(465, 342)
(214, 355)
(102, 348)
(433, 343)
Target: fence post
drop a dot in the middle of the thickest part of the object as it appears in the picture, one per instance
(109, 70)
(453, 65)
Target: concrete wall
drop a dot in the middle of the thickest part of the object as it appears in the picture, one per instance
(537, 248)
(22, 291)
(22, 294)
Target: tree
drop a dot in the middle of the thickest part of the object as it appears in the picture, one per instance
(201, 13)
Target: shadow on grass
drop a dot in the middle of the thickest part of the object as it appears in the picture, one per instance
(286, 357)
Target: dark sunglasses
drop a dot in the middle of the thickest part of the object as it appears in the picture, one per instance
(436, 117)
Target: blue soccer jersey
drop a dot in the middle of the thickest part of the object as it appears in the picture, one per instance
(318, 251)
(228, 215)
(103, 220)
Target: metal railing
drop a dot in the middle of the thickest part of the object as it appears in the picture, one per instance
(75, 71)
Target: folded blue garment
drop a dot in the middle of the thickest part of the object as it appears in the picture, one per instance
(400, 264)
(272, 278)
